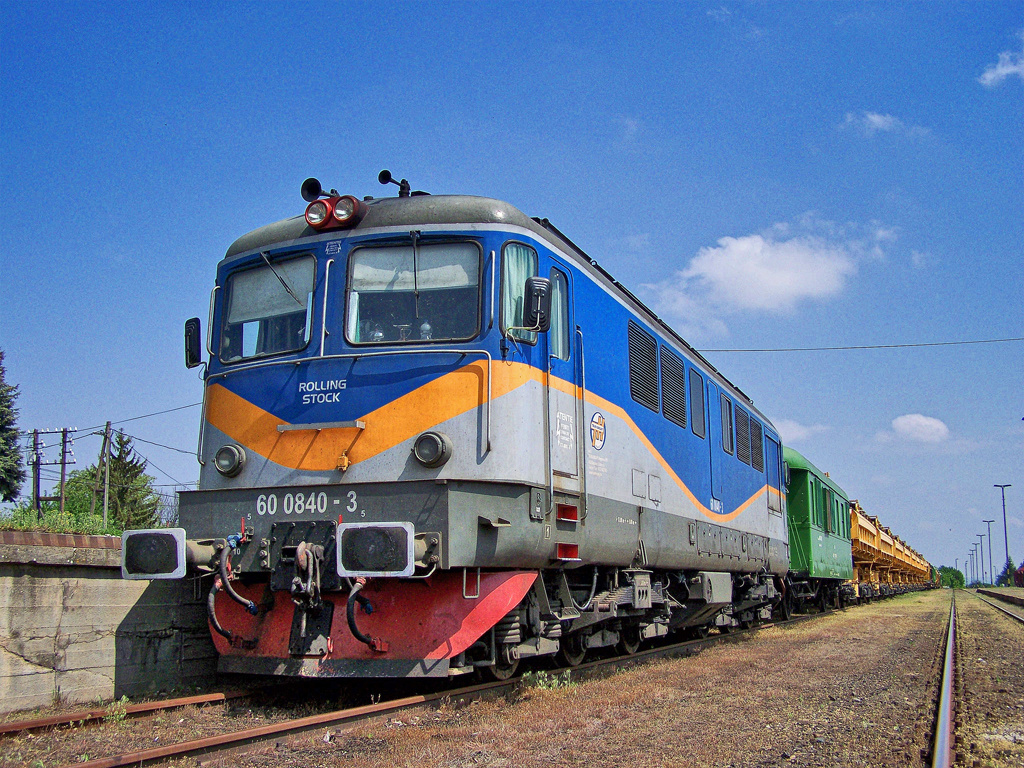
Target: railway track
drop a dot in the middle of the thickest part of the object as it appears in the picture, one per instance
(130, 710)
(944, 741)
(236, 741)
(1014, 612)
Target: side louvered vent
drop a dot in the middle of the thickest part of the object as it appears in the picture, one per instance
(673, 388)
(742, 436)
(643, 367)
(756, 446)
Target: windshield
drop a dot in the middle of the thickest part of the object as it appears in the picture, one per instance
(406, 293)
(268, 309)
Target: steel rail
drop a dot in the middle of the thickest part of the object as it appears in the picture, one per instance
(91, 715)
(228, 741)
(998, 607)
(942, 745)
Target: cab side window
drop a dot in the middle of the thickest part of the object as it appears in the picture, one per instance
(559, 332)
(519, 262)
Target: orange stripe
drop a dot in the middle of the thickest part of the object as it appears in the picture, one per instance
(441, 399)
(436, 401)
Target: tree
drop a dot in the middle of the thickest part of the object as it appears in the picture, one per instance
(951, 577)
(133, 502)
(12, 473)
(1005, 578)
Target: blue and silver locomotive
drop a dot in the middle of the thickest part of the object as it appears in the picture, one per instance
(437, 437)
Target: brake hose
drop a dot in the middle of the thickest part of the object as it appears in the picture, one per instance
(249, 605)
(350, 612)
(211, 611)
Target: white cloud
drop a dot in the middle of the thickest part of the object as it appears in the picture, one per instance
(873, 123)
(760, 273)
(920, 429)
(775, 271)
(1010, 64)
(793, 432)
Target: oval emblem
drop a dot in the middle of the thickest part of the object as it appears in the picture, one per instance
(597, 431)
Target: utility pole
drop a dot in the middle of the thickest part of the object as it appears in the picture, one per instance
(1006, 541)
(991, 565)
(102, 463)
(981, 553)
(37, 461)
(35, 474)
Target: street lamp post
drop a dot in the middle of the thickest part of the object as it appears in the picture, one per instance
(973, 562)
(991, 565)
(1006, 541)
(981, 554)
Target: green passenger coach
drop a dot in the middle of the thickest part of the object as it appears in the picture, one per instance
(819, 535)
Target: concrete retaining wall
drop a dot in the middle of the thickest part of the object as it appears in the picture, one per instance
(71, 630)
(1010, 595)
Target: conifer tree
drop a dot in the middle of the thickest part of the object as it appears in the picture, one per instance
(133, 502)
(12, 473)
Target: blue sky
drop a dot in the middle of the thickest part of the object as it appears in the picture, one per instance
(764, 175)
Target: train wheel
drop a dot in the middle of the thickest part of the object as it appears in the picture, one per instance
(629, 641)
(785, 607)
(571, 650)
(502, 671)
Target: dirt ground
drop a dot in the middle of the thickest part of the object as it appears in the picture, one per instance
(855, 688)
(991, 649)
(852, 689)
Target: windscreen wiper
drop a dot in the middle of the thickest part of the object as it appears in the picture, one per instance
(281, 280)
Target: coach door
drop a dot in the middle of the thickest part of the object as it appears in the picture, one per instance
(565, 371)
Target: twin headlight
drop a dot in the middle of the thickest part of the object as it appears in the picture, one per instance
(431, 449)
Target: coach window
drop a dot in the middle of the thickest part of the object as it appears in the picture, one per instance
(519, 263)
(268, 309)
(697, 403)
(558, 337)
(726, 424)
(405, 294)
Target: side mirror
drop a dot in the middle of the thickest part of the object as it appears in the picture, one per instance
(538, 304)
(193, 344)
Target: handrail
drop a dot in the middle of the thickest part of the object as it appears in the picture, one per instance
(583, 428)
(323, 314)
(209, 324)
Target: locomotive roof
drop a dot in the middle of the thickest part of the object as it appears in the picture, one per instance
(419, 209)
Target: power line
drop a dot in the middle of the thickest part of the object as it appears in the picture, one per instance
(125, 421)
(160, 445)
(872, 346)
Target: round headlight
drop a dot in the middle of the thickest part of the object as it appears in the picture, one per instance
(229, 460)
(432, 449)
(345, 208)
(317, 213)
